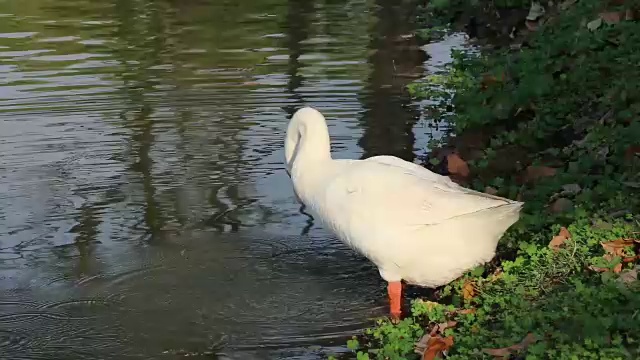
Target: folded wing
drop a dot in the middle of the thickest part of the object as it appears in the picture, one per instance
(385, 188)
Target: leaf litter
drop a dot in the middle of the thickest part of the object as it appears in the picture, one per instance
(559, 240)
(457, 166)
(433, 343)
(468, 290)
(618, 248)
(505, 352)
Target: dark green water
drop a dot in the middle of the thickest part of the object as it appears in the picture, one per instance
(144, 209)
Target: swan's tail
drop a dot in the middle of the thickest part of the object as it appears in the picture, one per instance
(497, 220)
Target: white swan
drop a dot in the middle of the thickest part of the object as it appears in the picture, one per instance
(413, 224)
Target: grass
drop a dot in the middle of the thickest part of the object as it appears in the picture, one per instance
(560, 125)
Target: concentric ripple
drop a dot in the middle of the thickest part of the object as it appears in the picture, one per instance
(144, 209)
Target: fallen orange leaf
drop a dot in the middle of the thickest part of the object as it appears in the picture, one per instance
(436, 346)
(508, 351)
(609, 258)
(488, 79)
(457, 166)
(560, 239)
(617, 247)
(536, 172)
(617, 268)
(611, 17)
(432, 344)
(468, 290)
(467, 311)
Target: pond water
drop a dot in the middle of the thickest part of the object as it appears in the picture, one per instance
(144, 209)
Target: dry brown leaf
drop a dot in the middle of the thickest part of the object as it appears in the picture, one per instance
(631, 152)
(537, 172)
(457, 166)
(467, 311)
(462, 311)
(507, 351)
(432, 344)
(608, 258)
(617, 268)
(421, 345)
(468, 290)
(612, 17)
(428, 304)
(445, 325)
(440, 328)
(436, 346)
(558, 240)
(488, 79)
(617, 247)
(496, 274)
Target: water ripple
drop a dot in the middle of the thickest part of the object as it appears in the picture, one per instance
(144, 205)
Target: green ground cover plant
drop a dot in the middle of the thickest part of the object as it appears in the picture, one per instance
(553, 120)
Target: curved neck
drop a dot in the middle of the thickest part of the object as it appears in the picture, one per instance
(307, 142)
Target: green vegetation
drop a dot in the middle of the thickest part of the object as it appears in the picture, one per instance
(556, 123)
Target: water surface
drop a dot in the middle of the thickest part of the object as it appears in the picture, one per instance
(144, 209)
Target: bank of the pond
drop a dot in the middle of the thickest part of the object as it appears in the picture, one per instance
(552, 119)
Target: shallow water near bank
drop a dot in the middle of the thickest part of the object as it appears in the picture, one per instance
(144, 209)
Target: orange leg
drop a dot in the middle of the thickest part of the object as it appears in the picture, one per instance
(395, 298)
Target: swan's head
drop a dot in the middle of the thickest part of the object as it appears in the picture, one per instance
(307, 132)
